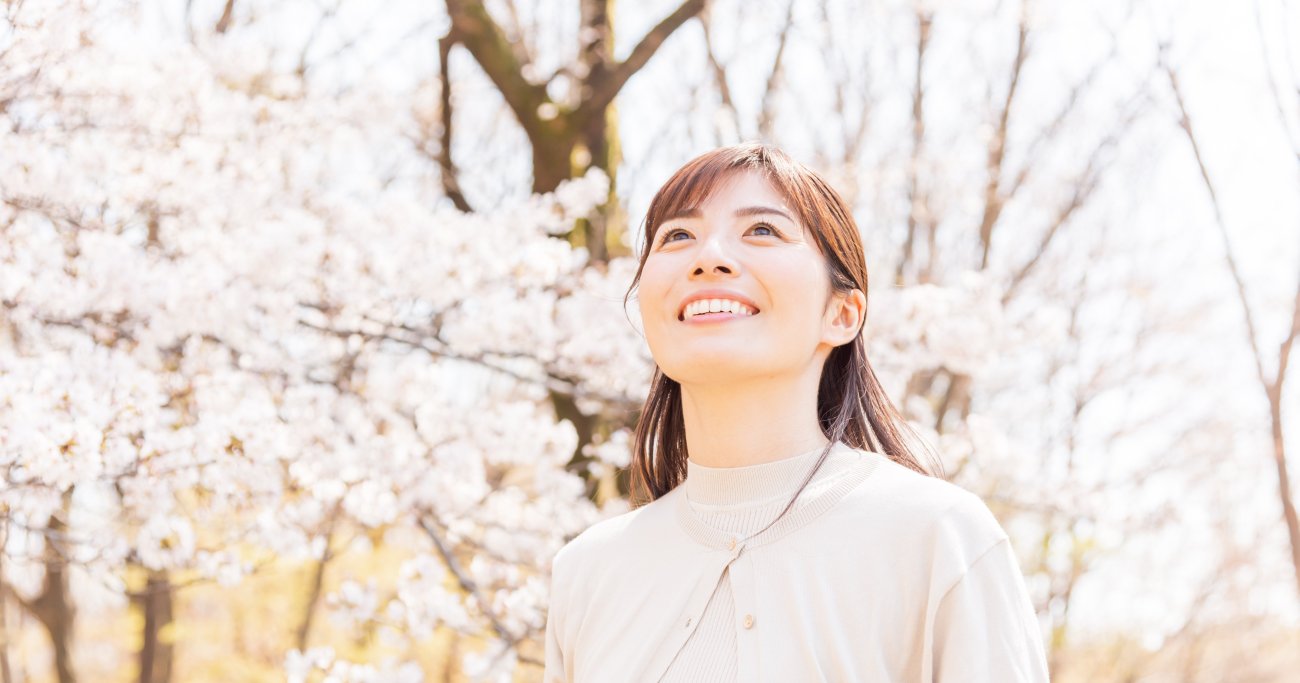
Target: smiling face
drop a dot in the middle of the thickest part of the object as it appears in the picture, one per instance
(745, 240)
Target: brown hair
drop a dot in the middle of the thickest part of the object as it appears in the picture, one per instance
(852, 406)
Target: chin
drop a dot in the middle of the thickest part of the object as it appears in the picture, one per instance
(719, 368)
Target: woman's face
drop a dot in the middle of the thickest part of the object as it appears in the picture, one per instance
(746, 241)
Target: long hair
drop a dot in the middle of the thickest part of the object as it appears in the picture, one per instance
(852, 406)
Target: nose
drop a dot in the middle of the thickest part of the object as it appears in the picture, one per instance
(713, 258)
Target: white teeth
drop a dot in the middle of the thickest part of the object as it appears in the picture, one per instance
(716, 306)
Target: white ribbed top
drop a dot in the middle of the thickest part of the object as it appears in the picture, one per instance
(742, 501)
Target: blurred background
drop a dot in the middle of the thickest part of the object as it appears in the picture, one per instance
(313, 348)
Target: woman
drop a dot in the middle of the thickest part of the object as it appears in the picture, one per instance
(789, 534)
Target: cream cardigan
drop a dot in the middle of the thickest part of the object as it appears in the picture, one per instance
(885, 575)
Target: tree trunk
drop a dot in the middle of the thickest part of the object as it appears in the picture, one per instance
(53, 607)
(156, 649)
(568, 139)
(597, 133)
(551, 159)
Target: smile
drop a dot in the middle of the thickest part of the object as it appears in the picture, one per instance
(716, 309)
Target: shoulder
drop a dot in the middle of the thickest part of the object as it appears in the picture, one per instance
(616, 535)
(921, 510)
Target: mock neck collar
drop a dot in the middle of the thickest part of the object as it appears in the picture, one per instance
(850, 467)
(752, 484)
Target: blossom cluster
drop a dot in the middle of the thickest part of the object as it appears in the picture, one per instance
(223, 333)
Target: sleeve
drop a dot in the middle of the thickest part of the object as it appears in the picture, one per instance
(556, 668)
(985, 629)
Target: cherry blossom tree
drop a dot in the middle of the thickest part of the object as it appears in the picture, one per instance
(231, 337)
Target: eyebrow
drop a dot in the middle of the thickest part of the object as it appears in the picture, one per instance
(743, 211)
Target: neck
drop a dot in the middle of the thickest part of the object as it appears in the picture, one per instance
(753, 422)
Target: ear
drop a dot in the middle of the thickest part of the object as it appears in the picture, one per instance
(844, 317)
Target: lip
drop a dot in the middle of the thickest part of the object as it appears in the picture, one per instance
(716, 294)
(713, 318)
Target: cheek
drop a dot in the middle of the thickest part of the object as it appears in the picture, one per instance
(645, 307)
(651, 293)
(798, 287)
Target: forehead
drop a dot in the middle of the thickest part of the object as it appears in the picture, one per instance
(746, 188)
(744, 182)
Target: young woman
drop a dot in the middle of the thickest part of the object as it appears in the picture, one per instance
(783, 532)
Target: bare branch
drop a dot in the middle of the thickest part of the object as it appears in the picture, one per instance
(1084, 186)
(1185, 123)
(1051, 130)
(765, 117)
(551, 380)
(227, 14)
(603, 93)
(467, 583)
(917, 211)
(473, 27)
(1272, 388)
(326, 15)
(994, 199)
(719, 72)
(1083, 189)
(1274, 90)
(450, 176)
(318, 580)
(850, 87)
(1284, 351)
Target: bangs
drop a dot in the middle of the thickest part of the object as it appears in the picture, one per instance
(694, 183)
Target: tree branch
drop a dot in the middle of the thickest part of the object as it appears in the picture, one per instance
(551, 380)
(719, 75)
(1185, 123)
(603, 92)
(447, 168)
(1272, 388)
(467, 583)
(917, 211)
(1084, 186)
(1284, 351)
(1273, 88)
(223, 24)
(853, 132)
(473, 27)
(1051, 131)
(994, 198)
(765, 117)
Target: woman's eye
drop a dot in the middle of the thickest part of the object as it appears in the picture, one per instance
(670, 233)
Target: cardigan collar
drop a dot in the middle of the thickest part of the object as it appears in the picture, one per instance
(850, 467)
(749, 484)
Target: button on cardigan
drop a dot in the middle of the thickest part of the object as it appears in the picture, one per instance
(878, 573)
(741, 501)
